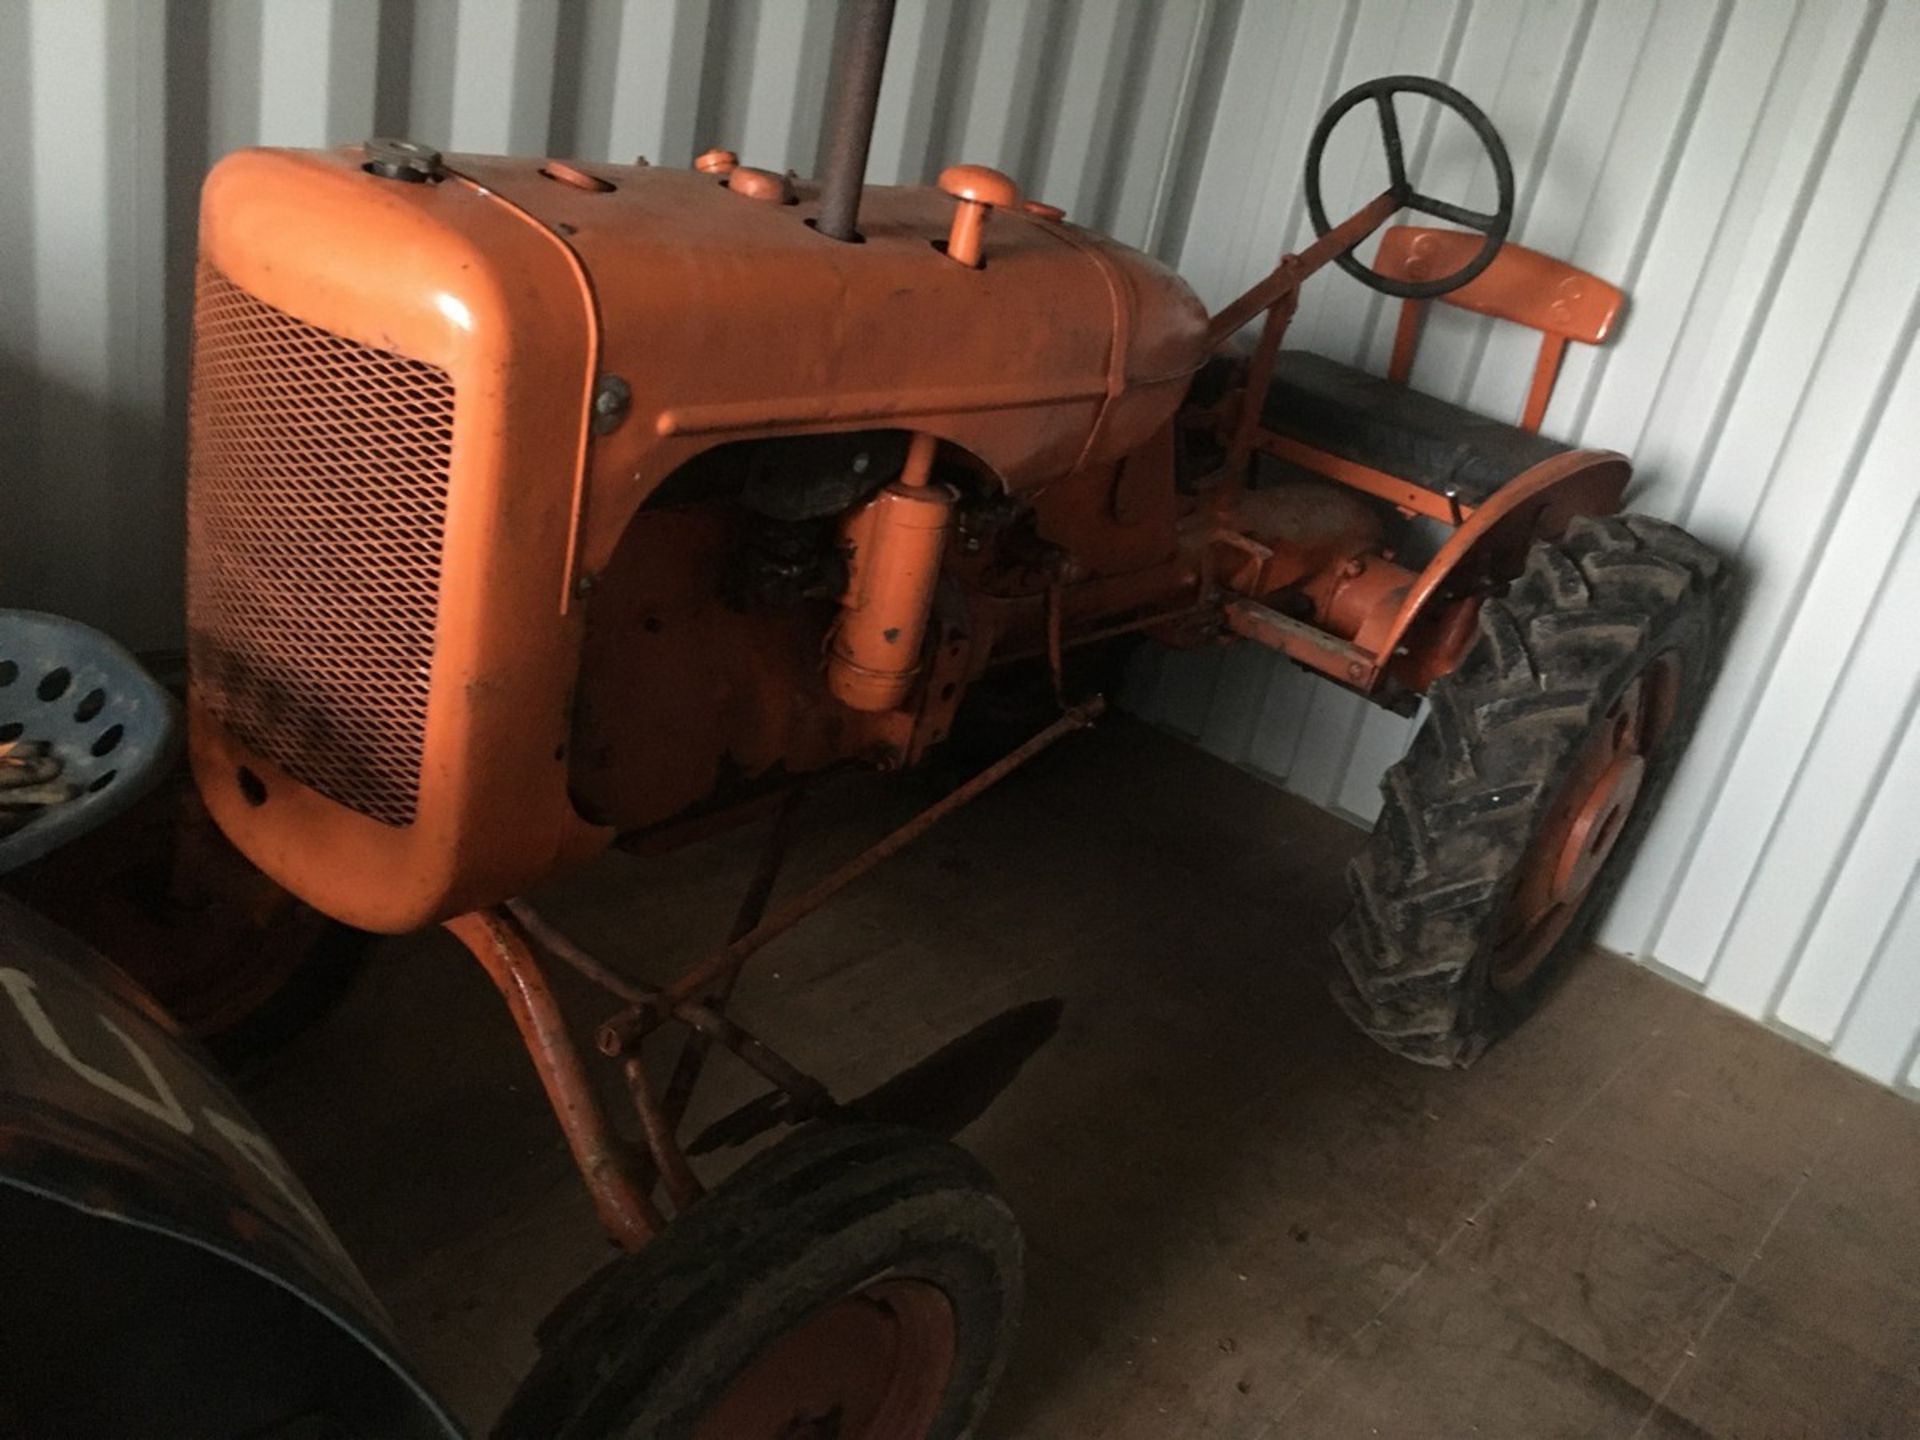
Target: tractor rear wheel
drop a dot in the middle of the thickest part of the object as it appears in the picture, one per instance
(1513, 817)
(855, 1282)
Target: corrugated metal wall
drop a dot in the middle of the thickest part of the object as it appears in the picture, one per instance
(1747, 170)
(114, 109)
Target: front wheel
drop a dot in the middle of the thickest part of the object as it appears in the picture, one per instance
(1511, 820)
(856, 1282)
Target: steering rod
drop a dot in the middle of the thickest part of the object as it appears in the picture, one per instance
(1295, 268)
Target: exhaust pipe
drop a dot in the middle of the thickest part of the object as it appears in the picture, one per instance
(859, 60)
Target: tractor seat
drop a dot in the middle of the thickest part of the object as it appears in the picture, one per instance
(1420, 439)
(1377, 423)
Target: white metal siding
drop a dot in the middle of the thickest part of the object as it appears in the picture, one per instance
(1746, 170)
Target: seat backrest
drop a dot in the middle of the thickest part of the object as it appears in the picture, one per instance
(1520, 285)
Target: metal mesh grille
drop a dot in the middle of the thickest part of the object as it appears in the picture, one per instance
(316, 507)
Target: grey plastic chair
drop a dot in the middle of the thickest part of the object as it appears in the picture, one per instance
(109, 723)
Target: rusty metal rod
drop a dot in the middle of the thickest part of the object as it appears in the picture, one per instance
(858, 65)
(604, 1161)
(1266, 352)
(626, 1028)
(660, 1118)
(663, 1148)
(809, 1096)
(1056, 660)
(1285, 282)
(556, 944)
(1123, 627)
(1337, 241)
(697, 1044)
(753, 908)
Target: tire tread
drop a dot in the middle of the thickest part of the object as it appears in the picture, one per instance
(1460, 810)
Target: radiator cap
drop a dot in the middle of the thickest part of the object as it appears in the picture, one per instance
(401, 160)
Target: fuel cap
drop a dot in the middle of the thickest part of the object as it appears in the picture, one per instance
(401, 160)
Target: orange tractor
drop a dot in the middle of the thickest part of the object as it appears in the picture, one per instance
(539, 506)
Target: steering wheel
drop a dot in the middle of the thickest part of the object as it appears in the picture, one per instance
(1493, 226)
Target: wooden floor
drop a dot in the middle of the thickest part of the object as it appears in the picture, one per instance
(1640, 1217)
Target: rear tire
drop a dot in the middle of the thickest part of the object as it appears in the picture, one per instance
(1510, 823)
(856, 1281)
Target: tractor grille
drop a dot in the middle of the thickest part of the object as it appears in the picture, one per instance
(316, 508)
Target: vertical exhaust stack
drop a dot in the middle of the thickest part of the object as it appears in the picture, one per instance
(858, 63)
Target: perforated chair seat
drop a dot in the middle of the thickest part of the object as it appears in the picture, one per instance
(1418, 438)
(109, 725)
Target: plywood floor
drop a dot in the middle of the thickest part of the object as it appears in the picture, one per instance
(1641, 1217)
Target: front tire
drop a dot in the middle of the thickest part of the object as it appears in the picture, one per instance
(858, 1282)
(1511, 821)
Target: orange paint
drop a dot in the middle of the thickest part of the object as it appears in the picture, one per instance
(534, 506)
(1521, 285)
(363, 602)
(897, 540)
(979, 191)
(457, 621)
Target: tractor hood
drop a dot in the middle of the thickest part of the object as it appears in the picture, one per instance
(717, 316)
(425, 412)
(727, 317)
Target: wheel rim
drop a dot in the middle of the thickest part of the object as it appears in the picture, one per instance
(872, 1366)
(1585, 822)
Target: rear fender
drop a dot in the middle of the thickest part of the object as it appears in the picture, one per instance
(1434, 624)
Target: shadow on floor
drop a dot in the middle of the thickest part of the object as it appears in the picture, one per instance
(1641, 1216)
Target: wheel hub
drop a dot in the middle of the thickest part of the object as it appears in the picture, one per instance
(1585, 822)
(1597, 824)
(873, 1366)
